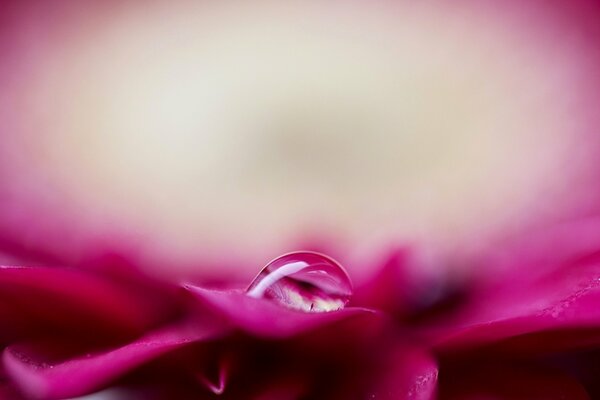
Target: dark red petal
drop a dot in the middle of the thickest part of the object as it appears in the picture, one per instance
(30, 369)
(410, 374)
(70, 299)
(8, 392)
(282, 391)
(482, 381)
(264, 318)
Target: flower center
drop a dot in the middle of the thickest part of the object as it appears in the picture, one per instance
(304, 281)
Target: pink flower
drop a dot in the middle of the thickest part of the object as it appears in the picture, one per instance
(153, 154)
(525, 328)
(530, 331)
(72, 332)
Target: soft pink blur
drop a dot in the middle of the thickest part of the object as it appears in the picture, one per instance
(211, 137)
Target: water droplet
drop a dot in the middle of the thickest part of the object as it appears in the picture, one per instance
(305, 281)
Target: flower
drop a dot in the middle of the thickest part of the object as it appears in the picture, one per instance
(151, 158)
(530, 331)
(76, 331)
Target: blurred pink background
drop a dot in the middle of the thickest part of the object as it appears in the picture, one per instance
(209, 137)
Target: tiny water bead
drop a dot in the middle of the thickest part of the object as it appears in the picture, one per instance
(305, 281)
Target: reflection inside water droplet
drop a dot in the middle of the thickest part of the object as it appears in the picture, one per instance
(305, 281)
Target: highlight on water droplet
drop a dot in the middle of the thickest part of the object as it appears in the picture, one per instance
(305, 281)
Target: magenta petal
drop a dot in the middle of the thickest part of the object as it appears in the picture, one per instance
(267, 319)
(410, 374)
(74, 299)
(36, 377)
(566, 299)
(391, 288)
(8, 392)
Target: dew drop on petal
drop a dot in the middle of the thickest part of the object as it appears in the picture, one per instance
(304, 281)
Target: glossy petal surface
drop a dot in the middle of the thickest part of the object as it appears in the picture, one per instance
(564, 299)
(410, 374)
(28, 367)
(264, 318)
(75, 299)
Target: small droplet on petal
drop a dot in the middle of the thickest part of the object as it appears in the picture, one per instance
(304, 281)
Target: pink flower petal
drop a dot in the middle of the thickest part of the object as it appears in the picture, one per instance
(66, 298)
(28, 367)
(564, 298)
(266, 319)
(410, 374)
(8, 392)
(390, 288)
